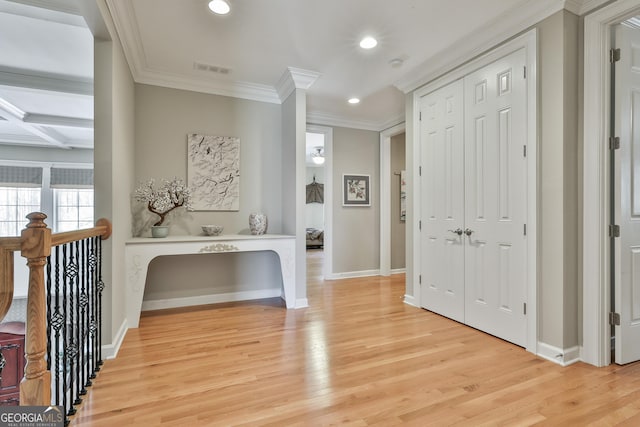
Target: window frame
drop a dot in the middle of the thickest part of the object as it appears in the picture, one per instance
(47, 198)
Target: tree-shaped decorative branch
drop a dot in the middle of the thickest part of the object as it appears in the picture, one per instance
(169, 196)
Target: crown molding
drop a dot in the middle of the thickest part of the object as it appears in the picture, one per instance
(124, 20)
(243, 90)
(123, 17)
(505, 26)
(126, 28)
(51, 82)
(67, 7)
(574, 6)
(327, 119)
(589, 5)
(294, 78)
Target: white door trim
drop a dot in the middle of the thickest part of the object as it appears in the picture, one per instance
(385, 196)
(596, 253)
(527, 41)
(328, 196)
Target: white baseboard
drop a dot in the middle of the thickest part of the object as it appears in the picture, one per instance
(302, 303)
(557, 355)
(162, 304)
(398, 271)
(353, 274)
(110, 351)
(410, 299)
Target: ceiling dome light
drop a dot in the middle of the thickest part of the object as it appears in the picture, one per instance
(353, 101)
(318, 156)
(221, 7)
(368, 42)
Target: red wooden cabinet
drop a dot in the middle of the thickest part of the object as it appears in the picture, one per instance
(12, 350)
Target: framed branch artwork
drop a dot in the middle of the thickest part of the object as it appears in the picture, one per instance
(213, 172)
(356, 190)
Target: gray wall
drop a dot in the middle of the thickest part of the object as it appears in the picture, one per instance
(558, 178)
(398, 228)
(164, 117)
(356, 229)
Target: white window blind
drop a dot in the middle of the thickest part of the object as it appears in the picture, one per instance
(71, 178)
(20, 176)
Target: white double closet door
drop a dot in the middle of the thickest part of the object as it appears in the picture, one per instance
(474, 199)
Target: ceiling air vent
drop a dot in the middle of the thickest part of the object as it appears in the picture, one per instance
(201, 66)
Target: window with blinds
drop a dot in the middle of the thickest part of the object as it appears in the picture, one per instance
(64, 194)
(19, 195)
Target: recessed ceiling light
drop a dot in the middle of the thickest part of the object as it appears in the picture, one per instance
(353, 101)
(368, 42)
(221, 7)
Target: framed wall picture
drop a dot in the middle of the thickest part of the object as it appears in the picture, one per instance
(213, 172)
(356, 190)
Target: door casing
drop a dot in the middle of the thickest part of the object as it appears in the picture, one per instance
(596, 254)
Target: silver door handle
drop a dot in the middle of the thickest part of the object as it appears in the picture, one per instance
(468, 231)
(457, 231)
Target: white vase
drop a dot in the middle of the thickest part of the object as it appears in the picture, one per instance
(258, 223)
(159, 230)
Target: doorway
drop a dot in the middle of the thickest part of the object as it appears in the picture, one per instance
(319, 214)
(625, 194)
(598, 219)
(392, 218)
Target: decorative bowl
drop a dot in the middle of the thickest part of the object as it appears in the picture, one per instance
(212, 230)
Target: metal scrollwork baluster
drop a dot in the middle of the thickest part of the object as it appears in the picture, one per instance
(3, 363)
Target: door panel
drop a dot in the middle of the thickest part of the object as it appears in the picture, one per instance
(627, 195)
(495, 185)
(442, 183)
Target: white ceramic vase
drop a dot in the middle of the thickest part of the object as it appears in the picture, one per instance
(258, 223)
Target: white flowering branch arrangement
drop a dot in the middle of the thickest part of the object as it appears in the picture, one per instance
(169, 196)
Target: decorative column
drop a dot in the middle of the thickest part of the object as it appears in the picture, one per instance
(35, 388)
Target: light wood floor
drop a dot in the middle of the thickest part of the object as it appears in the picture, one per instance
(357, 356)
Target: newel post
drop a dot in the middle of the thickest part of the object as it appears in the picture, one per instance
(35, 388)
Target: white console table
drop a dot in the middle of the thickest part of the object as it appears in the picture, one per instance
(140, 251)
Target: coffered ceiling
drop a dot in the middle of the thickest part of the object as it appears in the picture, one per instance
(46, 78)
(46, 63)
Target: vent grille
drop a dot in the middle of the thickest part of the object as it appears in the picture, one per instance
(201, 66)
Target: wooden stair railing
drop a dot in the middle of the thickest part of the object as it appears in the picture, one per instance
(35, 245)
